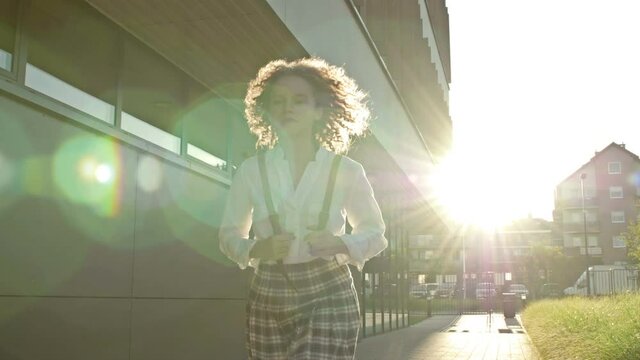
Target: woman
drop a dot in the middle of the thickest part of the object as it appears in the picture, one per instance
(297, 195)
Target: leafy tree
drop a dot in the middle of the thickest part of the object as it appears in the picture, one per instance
(544, 264)
(632, 239)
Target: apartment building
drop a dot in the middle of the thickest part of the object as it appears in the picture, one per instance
(120, 129)
(609, 187)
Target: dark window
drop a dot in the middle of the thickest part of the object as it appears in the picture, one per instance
(8, 20)
(74, 43)
(206, 124)
(153, 89)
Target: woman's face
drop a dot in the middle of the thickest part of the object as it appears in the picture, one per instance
(292, 106)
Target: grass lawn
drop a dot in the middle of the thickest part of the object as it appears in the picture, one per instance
(585, 328)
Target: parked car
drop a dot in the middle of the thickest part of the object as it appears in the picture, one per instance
(423, 290)
(485, 290)
(550, 290)
(518, 289)
(445, 290)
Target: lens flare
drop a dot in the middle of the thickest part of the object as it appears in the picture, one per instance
(104, 173)
(6, 172)
(634, 179)
(149, 174)
(194, 210)
(85, 168)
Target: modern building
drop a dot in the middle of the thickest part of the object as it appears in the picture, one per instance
(120, 128)
(609, 187)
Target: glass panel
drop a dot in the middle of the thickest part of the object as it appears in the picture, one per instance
(76, 45)
(618, 242)
(204, 156)
(150, 133)
(617, 217)
(8, 20)
(614, 167)
(153, 90)
(206, 122)
(63, 92)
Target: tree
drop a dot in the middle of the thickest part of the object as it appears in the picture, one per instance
(632, 240)
(544, 264)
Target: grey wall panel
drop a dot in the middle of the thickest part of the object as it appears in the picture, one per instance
(64, 328)
(176, 247)
(65, 230)
(188, 329)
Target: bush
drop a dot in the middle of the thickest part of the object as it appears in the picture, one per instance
(585, 328)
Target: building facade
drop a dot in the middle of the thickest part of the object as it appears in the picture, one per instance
(610, 182)
(120, 129)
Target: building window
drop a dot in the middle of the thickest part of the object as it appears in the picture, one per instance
(207, 123)
(618, 242)
(578, 241)
(73, 56)
(617, 217)
(615, 192)
(615, 167)
(8, 16)
(55, 88)
(144, 130)
(592, 240)
(577, 217)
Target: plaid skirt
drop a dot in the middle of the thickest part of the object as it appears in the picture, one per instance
(314, 316)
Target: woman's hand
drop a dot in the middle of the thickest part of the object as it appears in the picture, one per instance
(323, 243)
(273, 248)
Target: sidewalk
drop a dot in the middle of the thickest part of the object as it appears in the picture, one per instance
(449, 337)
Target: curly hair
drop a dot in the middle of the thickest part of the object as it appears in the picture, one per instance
(345, 108)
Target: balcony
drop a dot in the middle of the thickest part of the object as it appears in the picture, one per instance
(574, 251)
(578, 227)
(589, 202)
(593, 250)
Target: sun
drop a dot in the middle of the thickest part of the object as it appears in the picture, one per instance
(474, 191)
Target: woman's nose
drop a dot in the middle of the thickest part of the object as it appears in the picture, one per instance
(288, 107)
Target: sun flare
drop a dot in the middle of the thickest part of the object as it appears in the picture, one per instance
(475, 192)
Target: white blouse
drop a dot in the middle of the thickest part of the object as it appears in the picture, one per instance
(298, 209)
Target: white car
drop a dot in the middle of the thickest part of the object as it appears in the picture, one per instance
(423, 290)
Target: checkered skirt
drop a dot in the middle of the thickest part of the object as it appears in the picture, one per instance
(314, 316)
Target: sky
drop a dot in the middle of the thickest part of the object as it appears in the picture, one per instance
(537, 87)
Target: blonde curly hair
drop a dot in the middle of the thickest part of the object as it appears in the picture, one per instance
(345, 109)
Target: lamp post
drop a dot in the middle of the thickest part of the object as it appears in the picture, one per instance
(464, 270)
(586, 242)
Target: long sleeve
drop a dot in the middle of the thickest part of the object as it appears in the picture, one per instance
(367, 237)
(236, 222)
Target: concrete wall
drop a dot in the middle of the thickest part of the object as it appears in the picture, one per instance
(125, 269)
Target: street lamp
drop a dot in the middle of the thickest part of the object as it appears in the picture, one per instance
(586, 242)
(464, 270)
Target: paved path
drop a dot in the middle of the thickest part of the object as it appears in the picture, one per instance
(448, 337)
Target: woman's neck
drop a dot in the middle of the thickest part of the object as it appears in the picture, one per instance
(300, 151)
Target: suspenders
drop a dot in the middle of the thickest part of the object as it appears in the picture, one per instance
(273, 216)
